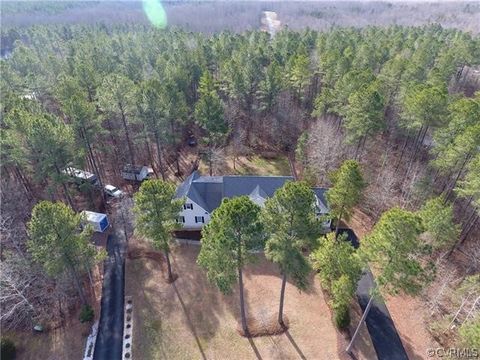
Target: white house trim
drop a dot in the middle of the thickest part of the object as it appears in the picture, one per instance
(189, 215)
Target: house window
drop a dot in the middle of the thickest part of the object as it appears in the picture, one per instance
(199, 219)
(181, 219)
(188, 206)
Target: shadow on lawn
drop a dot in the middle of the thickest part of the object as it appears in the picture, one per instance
(190, 324)
(295, 345)
(261, 266)
(200, 300)
(198, 303)
(255, 349)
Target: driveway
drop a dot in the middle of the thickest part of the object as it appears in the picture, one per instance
(110, 332)
(383, 333)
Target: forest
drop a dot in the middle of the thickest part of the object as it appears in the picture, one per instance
(239, 16)
(404, 102)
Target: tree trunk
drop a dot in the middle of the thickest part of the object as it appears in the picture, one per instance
(423, 136)
(18, 174)
(467, 205)
(467, 158)
(364, 316)
(174, 141)
(337, 225)
(210, 162)
(469, 224)
(65, 189)
(169, 267)
(357, 148)
(159, 154)
(415, 151)
(242, 302)
(90, 279)
(115, 146)
(147, 145)
(127, 135)
(364, 141)
(282, 298)
(401, 154)
(78, 286)
(99, 163)
(240, 286)
(94, 163)
(472, 225)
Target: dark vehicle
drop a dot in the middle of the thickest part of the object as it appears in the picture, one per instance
(192, 141)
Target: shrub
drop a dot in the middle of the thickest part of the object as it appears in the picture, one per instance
(470, 333)
(8, 349)
(342, 318)
(86, 314)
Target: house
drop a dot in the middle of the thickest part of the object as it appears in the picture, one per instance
(203, 194)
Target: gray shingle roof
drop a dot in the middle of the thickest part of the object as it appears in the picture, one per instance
(321, 194)
(208, 191)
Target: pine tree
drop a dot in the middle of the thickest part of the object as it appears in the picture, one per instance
(438, 221)
(270, 87)
(156, 213)
(58, 244)
(151, 109)
(365, 114)
(346, 191)
(289, 218)
(228, 239)
(339, 269)
(209, 111)
(41, 143)
(392, 249)
(116, 95)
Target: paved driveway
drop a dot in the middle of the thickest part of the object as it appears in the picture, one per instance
(383, 333)
(110, 332)
(385, 339)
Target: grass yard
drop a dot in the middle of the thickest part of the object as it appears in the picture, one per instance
(191, 319)
(250, 165)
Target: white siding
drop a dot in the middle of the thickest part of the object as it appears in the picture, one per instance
(189, 215)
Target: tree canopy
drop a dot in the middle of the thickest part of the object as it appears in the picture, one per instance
(393, 249)
(234, 231)
(291, 227)
(57, 243)
(346, 190)
(156, 213)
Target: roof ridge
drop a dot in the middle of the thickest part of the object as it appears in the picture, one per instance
(259, 176)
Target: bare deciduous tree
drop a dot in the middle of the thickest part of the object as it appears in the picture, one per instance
(325, 149)
(382, 194)
(27, 295)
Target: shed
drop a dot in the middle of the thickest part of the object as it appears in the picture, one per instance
(98, 221)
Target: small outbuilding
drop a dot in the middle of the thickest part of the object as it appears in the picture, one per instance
(98, 221)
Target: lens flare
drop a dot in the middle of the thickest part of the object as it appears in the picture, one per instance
(155, 13)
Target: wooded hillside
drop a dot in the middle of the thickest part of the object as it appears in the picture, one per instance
(400, 100)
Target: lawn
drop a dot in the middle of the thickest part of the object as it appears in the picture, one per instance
(191, 319)
(250, 165)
